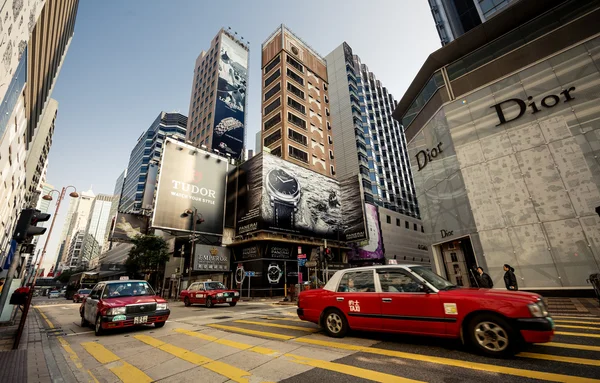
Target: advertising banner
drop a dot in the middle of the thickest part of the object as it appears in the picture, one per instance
(353, 213)
(128, 226)
(211, 258)
(231, 98)
(190, 178)
(373, 250)
(149, 189)
(249, 195)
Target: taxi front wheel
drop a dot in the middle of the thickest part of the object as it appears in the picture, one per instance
(335, 323)
(492, 335)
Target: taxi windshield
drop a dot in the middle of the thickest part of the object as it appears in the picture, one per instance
(214, 286)
(431, 277)
(127, 289)
(82, 291)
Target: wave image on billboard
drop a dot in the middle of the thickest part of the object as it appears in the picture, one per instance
(129, 226)
(373, 250)
(231, 98)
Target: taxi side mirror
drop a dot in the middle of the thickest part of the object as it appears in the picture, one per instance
(424, 289)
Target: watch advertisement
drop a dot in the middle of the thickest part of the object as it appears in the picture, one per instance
(373, 250)
(211, 258)
(249, 195)
(231, 98)
(354, 222)
(190, 179)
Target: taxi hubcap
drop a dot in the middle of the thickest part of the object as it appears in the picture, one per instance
(334, 323)
(491, 336)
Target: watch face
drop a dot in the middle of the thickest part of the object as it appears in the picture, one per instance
(283, 182)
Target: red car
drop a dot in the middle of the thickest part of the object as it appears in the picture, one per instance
(80, 295)
(209, 294)
(415, 300)
(118, 304)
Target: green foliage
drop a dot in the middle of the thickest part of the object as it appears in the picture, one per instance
(148, 254)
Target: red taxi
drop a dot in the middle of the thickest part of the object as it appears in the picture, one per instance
(118, 304)
(209, 294)
(415, 300)
(80, 295)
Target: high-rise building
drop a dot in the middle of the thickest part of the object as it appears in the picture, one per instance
(146, 152)
(114, 207)
(73, 254)
(295, 116)
(369, 141)
(77, 218)
(258, 144)
(44, 205)
(453, 18)
(218, 98)
(95, 231)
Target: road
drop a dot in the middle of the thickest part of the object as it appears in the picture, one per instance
(265, 342)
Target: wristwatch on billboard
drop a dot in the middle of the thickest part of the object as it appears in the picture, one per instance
(274, 273)
(284, 194)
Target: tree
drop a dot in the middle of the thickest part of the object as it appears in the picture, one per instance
(65, 276)
(147, 256)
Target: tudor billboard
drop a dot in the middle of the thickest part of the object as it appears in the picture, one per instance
(189, 179)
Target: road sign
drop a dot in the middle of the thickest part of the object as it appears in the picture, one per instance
(311, 264)
(301, 256)
(301, 262)
(299, 249)
(250, 273)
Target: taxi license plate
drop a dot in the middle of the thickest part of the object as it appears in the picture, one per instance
(140, 320)
(228, 300)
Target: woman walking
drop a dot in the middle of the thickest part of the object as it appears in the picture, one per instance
(510, 280)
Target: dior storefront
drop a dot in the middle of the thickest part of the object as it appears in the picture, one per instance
(506, 161)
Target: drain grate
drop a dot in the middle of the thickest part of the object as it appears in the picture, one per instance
(223, 317)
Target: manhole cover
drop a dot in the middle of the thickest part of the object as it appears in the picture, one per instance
(222, 317)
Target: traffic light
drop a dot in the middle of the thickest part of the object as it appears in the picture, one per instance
(328, 254)
(27, 224)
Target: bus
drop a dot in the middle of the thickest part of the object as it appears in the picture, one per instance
(83, 280)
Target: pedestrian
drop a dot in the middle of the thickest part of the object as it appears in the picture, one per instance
(485, 281)
(510, 280)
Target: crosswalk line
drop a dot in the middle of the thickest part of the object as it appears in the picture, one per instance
(571, 346)
(578, 327)
(224, 369)
(284, 319)
(568, 333)
(558, 358)
(574, 317)
(251, 332)
(284, 326)
(124, 371)
(227, 342)
(576, 322)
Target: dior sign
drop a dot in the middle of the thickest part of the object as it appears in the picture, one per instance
(549, 101)
(427, 155)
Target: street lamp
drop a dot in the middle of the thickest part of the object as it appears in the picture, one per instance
(196, 218)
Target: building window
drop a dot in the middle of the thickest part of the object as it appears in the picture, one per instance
(295, 64)
(453, 257)
(295, 90)
(295, 77)
(272, 77)
(406, 225)
(388, 219)
(331, 155)
(296, 120)
(272, 106)
(271, 92)
(296, 105)
(272, 64)
(273, 121)
(397, 221)
(415, 226)
(332, 170)
(276, 151)
(422, 229)
(297, 137)
(298, 154)
(272, 138)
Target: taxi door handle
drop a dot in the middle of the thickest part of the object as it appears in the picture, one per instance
(339, 299)
(386, 299)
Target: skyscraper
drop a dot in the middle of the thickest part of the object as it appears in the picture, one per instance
(77, 218)
(453, 18)
(373, 142)
(114, 207)
(95, 230)
(295, 101)
(146, 152)
(218, 98)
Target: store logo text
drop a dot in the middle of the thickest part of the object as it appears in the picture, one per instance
(549, 101)
(426, 156)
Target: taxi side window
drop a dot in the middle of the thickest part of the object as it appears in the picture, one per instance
(193, 287)
(397, 281)
(357, 281)
(201, 286)
(95, 293)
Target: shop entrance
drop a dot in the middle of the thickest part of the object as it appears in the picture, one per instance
(459, 261)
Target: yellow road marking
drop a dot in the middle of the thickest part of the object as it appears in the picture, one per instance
(571, 345)
(46, 319)
(576, 322)
(93, 377)
(125, 371)
(348, 370)
(285, 326)
(227, 370)
(577, 334)
(557, 358)
(251, 332)
(226, 342)
(453, 362)
(570, 317)
(579, 327)
(284, 319)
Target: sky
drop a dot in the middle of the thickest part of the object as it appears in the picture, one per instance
(130, 60)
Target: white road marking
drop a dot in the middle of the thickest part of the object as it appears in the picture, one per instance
(79, 333)
(58, 305)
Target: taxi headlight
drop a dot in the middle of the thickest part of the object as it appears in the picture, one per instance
(116, 311)
(537, 310)
(237, 294)
(162, 306)
(219, 295)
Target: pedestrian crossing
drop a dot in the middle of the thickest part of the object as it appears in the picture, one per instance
(279, 346)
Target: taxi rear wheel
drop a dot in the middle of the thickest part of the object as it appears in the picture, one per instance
(492, 335)
(98, 330)
(159, 324)
(209, 302)
(232, 304)
(84, 323)
(335, 323)
(186, 302)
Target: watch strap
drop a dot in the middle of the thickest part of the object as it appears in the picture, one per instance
(284, 215)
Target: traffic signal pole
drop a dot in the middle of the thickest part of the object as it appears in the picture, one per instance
(9, 277)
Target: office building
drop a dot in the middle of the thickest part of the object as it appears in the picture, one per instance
(258, 143)
(453, 18)
(216, 118)
(369, 141)
(295, 103)
(114, 207)
(77, 218)
(504, 139)
(73, 253)
(145, 155)
(95, 231)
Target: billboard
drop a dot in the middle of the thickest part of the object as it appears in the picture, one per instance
(128, 226)
(249, 195)
(353, 214)
(211, 258)
(190, 178)
(150, 188)
(231, 98)
(373, 250)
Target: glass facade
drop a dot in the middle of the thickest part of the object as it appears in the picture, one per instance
(525, 190)
(99, 217)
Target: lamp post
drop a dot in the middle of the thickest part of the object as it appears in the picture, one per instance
(196, 218)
